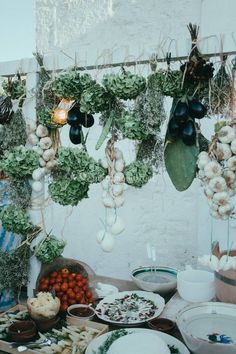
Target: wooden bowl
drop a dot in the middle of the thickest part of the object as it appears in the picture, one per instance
(22, 331)
(162, 324)
(47, 324)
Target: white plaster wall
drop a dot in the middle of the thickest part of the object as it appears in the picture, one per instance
(178, 224)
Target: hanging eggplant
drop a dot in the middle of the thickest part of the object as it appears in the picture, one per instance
(188, 133)
(87, 121)
(75, 117)
(197, 109)
(173, 128)
(181, 113)
(6, 111)
(75, 135)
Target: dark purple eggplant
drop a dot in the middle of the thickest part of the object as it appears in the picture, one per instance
(75, 117)
(75, 135)
(188, 133)
(181, 113)
(87, 121)
(173, 128)
(197, 109)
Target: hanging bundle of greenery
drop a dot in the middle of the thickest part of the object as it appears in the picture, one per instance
(137, 174)
(130, 126)
(95, 99)
(49, 249)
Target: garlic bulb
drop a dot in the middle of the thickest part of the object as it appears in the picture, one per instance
(106, 183)
(226, 134)
(225, 209)
(117, 189)
(221, 198)
(213, 206)
(108, 242)
(41, 131)
(233, 146)
(208, 192)
(212, 169)
(217, 184)
(118, 226)
(119, 165)
(38, 174)
(104, 162)
(100, 235)
(48, 154)
(45, 143)
(31, 126)
(223, 152)
(229, 177)
(215, 214)
(33, 139)
(42, 162)
(37, 186)
(232, 163)
(37, 149)
(119, 201)
(118, 154)
(119, 178)
(203, 160)
(108, 202)
(225, 263)
(111, 219)
(51, 164)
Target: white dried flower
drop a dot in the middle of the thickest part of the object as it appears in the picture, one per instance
(212, 169)
(41, 131)
(45, 143)
(221, 198)
(232, 163)
(226, 134)
(233, 146)
(217, 184)
(223, 151)
(229, 177)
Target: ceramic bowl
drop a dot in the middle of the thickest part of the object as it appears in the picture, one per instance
(22, 331)
(209, 327)
(47, 324)
(157, 279)
(196, 285)
(162, 324)
(84, 312)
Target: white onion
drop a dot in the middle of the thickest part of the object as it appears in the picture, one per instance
(37, 186)
(108, 242)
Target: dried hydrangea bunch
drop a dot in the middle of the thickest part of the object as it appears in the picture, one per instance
(131, 127)
(76, 163)
(20, 162)
(95, 99)
(49, 249)
(217, 171)
(66, 191)
(125, 85)
(15, 87)
(169, 82)
(137, 174)
(20, 192)
(71, 84)
(15, 219)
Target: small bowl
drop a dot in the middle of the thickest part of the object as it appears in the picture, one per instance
(84, 312)
(162, 324)
(47, 324)
(196, 285)
(22, 331)
(161, 280)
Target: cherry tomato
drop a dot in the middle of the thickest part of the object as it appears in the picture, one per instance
(54, 275)
(64, 287)
(52, 281)
(88, 294)
(78, 297)
(65, 271)
(82, 301)
(56, 287)
(71, 284)
(60, 294)
(70, 277)
(64, 306)
(84, 281)
(73, 275)
(79, 277)
(59, 279)
(71, 295)
(84, 287)
(71, 301)
(64, 298)
(80, 284)
(76, 289)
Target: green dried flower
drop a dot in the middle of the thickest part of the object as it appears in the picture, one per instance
(44, 117)
(137, 174)
(95, 99)
(76, 163)
(170, 82)
(20, 192)
(49, 249)
(20, 162)
(13, 133)
(15, 219)
(125, 85)
(130, 126)
(70, 85)
(66, 191)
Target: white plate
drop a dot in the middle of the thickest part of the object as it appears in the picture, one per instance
(102, 306)
(171, 341)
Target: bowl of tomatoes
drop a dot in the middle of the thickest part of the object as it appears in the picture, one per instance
(71, 287)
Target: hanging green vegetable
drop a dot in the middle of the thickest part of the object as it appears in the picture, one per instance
(137, 174)
(131, 127)
(49, 249)
(125, 85)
